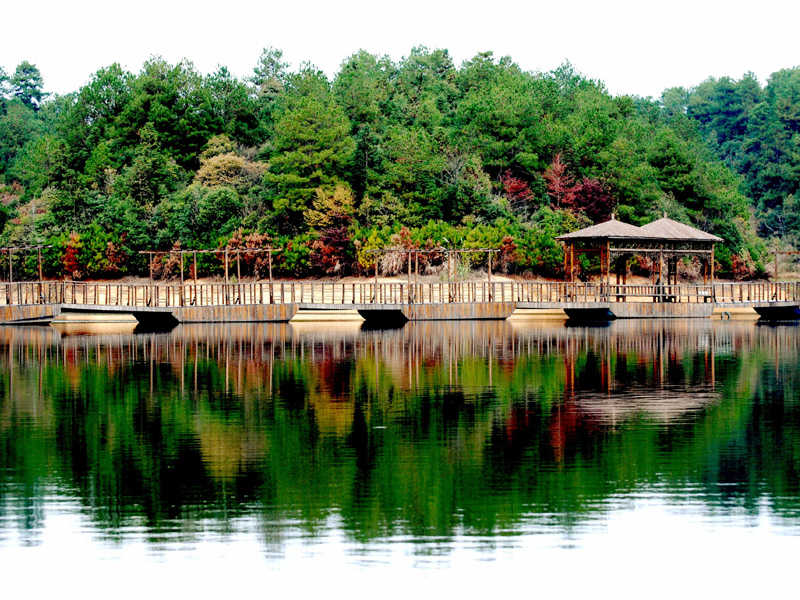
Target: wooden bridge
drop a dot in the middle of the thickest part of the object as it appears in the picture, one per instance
(280, 301)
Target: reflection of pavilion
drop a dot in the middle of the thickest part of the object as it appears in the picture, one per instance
(662, 405)
(626, 374)
(664, 241)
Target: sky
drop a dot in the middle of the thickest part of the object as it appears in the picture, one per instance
(634, 47)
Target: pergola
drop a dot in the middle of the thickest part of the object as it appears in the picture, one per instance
(12, 249)
(449, 252)
(662, 240)
(226, 251)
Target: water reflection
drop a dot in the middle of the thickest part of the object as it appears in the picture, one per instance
(477, 432)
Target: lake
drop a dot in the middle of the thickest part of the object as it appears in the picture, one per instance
(523, 456)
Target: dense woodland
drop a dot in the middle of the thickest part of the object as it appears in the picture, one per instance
(420, 153)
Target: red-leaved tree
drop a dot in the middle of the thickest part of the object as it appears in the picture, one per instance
(560, 184)
(592, 198)
(517, 191)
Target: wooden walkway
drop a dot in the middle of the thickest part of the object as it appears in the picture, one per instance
(432, 299)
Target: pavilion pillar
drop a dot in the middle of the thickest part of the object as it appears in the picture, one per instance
(712, 270)
(572, 262)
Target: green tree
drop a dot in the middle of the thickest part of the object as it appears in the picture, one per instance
(152, 175)
(410, 171)
(4, 89)
(18, 126)
(270, 78)
(28, 85)
(312, 146)
(425, 91)
(174, 101)
(232, 109)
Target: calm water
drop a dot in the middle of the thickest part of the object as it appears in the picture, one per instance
(653, 457)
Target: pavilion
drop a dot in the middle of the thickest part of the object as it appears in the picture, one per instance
(662, 240)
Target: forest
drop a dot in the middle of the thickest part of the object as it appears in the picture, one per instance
(419, 153)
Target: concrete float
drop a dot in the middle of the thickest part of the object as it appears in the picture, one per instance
(451, 311)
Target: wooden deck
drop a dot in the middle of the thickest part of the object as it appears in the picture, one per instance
(263, 301)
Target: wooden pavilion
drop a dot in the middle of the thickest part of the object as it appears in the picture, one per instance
(679, 240)
(617, 242)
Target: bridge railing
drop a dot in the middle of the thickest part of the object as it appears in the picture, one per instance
(360, 293)
(216, 294)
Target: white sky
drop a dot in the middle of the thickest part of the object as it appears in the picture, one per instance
(635, 47)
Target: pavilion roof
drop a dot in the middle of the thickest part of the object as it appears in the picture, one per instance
(611, 229)
(668, 229)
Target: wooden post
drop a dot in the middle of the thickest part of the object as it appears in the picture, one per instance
(150, 254)
(39, 256)
(194, 259)
(409, 276)
(449, 267)
(572, 262)
(776, 267)
(489, 265)
(10, 266)
(661, 272)
(182, 280)
(375, 294)
(269, 258)
(450, 276)
(712, 271)
(226, 268)
(602, 265)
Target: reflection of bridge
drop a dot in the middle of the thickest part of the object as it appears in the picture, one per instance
(262, 301)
